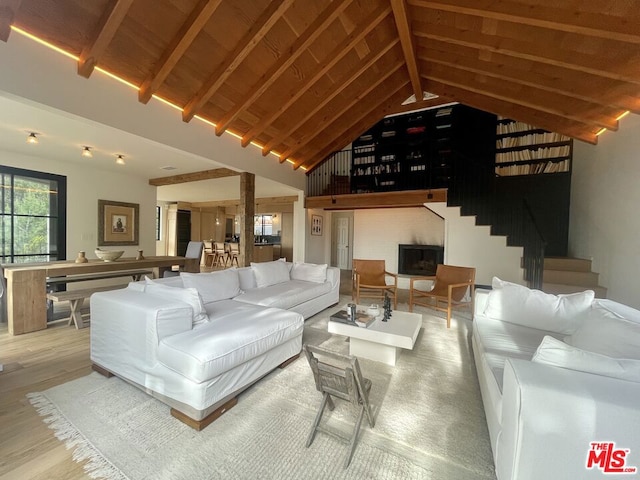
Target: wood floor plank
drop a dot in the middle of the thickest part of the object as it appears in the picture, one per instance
(34, 362)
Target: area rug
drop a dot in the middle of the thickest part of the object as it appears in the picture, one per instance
(429, 421)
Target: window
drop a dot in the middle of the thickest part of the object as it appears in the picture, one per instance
(262, 225)
(32, 216)
(158, 214)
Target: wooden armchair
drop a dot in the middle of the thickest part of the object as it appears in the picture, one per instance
(341, 378)
(450, 286)
(369, 281)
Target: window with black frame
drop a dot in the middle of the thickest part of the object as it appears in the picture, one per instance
(32, 216)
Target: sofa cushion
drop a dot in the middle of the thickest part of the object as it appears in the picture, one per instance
(224, 343)
(501, 340)
(270, 273)
(186, 295)
(213, 286)
(555, 352)
(309, 272)
(284, 295)
(607, 333)
(517, 304)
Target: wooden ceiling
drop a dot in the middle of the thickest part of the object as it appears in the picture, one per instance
(305, 77)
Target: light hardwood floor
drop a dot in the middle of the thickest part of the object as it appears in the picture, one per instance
(34, 362)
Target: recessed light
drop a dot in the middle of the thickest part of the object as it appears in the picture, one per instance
(120, 159)
(32, 138)
(168, 168)
(86, 152)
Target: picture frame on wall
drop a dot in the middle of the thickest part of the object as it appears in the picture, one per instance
(118, 223)
(316, 224)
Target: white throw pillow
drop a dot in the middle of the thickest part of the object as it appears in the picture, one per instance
(555, 352)
(604, 332)
(309, 272)
(214, 286)
(517, 304)
(270, 273)
(186, 295)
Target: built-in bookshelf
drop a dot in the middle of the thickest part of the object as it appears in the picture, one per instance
(418, 150)
(523, 149)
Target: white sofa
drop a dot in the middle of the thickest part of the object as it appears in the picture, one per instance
(197, 340)
(557, 373)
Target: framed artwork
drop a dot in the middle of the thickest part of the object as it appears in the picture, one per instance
(118, 223)
(316, 224)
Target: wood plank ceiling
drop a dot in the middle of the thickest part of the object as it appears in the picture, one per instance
(305, 77)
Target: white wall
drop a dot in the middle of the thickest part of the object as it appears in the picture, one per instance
(469, 245)
(604, 222)
(378, 232)
(84, 188)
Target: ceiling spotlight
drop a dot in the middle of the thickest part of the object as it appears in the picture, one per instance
(86, 152)
(32, 138)
(120, 159)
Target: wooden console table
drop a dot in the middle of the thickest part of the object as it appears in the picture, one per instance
(27, 284)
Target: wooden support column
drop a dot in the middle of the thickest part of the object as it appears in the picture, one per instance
(247, 209)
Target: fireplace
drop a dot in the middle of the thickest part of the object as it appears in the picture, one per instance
(419, 259)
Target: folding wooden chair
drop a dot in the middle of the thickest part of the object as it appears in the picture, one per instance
(346, 383)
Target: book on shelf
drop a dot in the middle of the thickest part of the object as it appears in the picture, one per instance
(362, 319)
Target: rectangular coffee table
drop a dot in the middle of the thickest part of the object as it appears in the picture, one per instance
(381, 341)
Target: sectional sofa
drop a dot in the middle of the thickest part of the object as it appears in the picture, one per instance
(196, 341)
(559, 377)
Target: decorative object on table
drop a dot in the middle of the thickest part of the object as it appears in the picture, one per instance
(351, 311)
(361, 318)
(109, 255)
(373, 310)
(81, 258)
(140, 256)
(387, 308)
(118, 223)
(316, 224)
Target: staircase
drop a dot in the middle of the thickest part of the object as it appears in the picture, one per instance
(570, 275)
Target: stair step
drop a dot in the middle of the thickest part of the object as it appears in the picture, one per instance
(565, 277)
(565, 263)
(601, 292)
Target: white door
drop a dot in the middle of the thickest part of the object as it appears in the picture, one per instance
(342, 243)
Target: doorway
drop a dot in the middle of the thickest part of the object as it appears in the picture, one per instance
(342, 241)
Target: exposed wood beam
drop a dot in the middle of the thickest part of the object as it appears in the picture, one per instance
(106, 30)
(580, 85)
(541, 51)
(507, 109)
(8, 10)
(317, 27)
(554, 17)
(197, 19)
(245, 46)
(193, 177)
(401, 18)
(235, 202)
(344, 109)
(424, 104)
(527, 96)
(404, 199)
(368, 63)
(370, 117)
(331, 60)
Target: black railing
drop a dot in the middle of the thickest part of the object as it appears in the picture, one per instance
(332, 177)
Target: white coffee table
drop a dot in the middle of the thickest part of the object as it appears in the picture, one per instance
(382, 341)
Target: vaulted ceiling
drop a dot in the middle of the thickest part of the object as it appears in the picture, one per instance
(303, 78)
